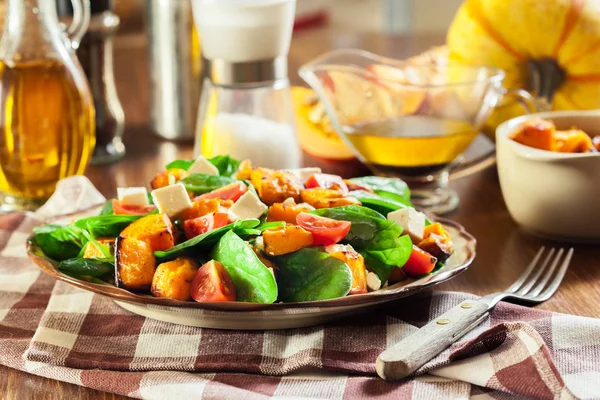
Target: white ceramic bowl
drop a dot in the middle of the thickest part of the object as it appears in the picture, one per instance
(555, 195)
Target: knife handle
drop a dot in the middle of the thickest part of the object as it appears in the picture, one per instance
(412, 352)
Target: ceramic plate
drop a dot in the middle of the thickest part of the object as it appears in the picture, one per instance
(237, 315)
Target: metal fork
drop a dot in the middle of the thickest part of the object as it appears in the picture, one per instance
(537, 284)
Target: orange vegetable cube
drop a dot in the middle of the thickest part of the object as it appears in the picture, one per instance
(286, 240)
(275, 186)
(536, 133)
(202, 207)
(284, 212)
(155, 229)
(134, 264)
(437, 241)
(168, 177)
(573, 141)
(355, 261)
(173, 279)
(244, 170)
(327, 198)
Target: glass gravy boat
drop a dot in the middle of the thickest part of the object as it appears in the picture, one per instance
(408, 120)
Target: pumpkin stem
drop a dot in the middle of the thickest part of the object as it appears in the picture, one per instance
(545, 77)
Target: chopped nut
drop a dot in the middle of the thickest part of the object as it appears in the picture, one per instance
(373, 282)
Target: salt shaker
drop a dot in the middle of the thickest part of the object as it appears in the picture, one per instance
(246, 106)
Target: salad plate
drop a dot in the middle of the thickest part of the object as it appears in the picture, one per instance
(250, 316)
(226, 251)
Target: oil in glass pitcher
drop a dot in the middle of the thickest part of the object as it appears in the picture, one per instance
(46, 109)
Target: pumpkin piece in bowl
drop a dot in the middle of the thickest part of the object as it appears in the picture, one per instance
(542, 134)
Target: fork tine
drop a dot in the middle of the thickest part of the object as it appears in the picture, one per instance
(536, 276)
(558, 278)
(517, 285)
(549, 272)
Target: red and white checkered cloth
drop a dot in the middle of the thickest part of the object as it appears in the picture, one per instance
(54, 330)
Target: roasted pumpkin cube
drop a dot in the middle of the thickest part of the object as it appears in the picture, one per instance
(537, 133)
(573, 141)
(155, 229)
(327, 198)
(286, 212)
(286, 240)
(275, 186)
(244, 170)
(437, 242)
(201, 207)
(172, 279)
(92, 251)
(397, 275)
(168, 177)
(355, 261)
(134, 264)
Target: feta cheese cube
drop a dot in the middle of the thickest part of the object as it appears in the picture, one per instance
(203, 166)
(248, 206)
(172, 199)
(411, 220)
(303, 173)
(133, 196)
(373, 282)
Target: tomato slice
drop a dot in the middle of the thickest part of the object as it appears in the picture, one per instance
(233, 191)
(121, 209)
(419, 263)
(327, 181)
(212, 283)
(325, 231)
(198, 226)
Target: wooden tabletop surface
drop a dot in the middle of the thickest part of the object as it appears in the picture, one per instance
(503, 250)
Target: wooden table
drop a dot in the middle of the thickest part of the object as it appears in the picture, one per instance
(502, 251)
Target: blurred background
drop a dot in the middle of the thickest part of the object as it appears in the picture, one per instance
(397, 16)
(392, 16)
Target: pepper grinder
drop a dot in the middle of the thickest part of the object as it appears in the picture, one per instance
(95, 54)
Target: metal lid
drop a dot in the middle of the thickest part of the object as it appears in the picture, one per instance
(65, 7)
(226, 73)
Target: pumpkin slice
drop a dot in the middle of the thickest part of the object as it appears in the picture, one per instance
(155, 229)
(315, 134)
(134, 263)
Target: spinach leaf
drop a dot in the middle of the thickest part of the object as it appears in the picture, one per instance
(226, 165)
(60, 242)
(108, 208)
(206, 240)
(270, 225)
(96, 267)
(377, 202)
(180, 164)
(309, 274)
(204, 183)
(376, 238)
(106, 225)
(247, 233)
(253, 282)
(390, 188)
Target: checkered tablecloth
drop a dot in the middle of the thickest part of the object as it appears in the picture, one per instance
(60, 332)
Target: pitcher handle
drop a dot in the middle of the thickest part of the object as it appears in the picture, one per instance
(80, 22)
(529, 104)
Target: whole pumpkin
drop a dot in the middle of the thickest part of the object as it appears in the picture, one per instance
(549, 47)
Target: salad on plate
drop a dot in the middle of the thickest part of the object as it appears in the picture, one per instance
(214, 230)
